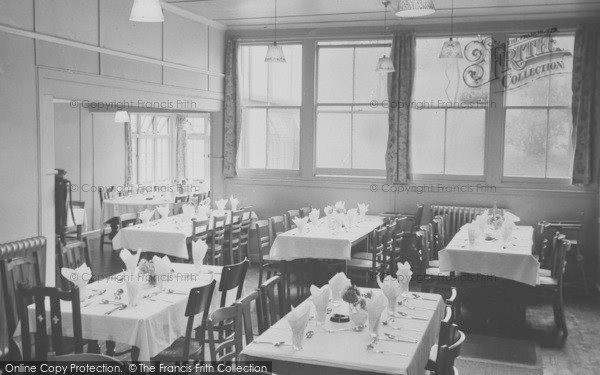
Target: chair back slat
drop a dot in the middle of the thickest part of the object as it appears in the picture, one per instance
(225, 348)
(289, 215)
(232, 277)
(233, 237)
(262, 238)
(219, 224)
(71, 255)
(246, 305)
(276, 226)
(274, 306)
(245, 233)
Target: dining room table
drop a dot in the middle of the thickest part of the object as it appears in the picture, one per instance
(402, 348)
(489, 255)
(320, 241)
(152, 325)
(120, 205)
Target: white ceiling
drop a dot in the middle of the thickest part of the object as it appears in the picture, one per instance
(257, 14)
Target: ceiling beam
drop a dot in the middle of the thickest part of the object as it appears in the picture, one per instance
(192, 16)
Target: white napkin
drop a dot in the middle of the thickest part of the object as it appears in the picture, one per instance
(352, 217)
(130, 260)
(221, 204)
(199, 249)
(314, 216)
(146, 215)
(203, 212)
(234, 203)
(300, 223)
(133, 284)
(481, 221)
(79, 276)
(362, 209)
(404, 273)
(506, 232)
(336, 220)
(338, 284)
(340, 206)
(188, 210)
(328, 210)
(473, 231)
(163, 211)
(390, 287)
(162, 269)
(375, 307)
(320, 298)
(298, 320)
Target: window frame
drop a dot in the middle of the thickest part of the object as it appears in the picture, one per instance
(265, 172)
(135, 137)
(203, 137)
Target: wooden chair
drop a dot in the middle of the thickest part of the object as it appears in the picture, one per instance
(368, 270)
(19, 267)
(189, 348)
(289, 215)
(247, 308)
(77, 233)
(375, 239)
(178, 208)
(112, 223)
(217, 239)
(264, 247)
(447, 354)
(233, 236)
(276, 226)
(431, 274)
(182, 199)
(200, 230)
(128, 219)
(304, 211)
(438, 225)
(245, 233)
(225, 348)
(72, 256)
(274, 306)
(56, 343)
(232, 277)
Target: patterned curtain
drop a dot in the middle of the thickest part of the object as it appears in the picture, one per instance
(400, 83)
(232, 110)
(128, 155)
(181, 151)
(586, 104)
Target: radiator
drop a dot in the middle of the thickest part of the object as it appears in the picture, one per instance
(457, 217)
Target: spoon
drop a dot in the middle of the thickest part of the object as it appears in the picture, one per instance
(386, 323)
(371, 347)
(120, 307)
(406, 316)
(274, 343)
(106, 302)
(171, 291)
(97, 293)
(310, 334)
(154, 299)
(416, 296)
(403, 303)
(358, 328)
(400, 338)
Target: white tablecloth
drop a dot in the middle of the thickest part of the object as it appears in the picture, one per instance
(123, 205)
(513, 261)
(151, 325)
(348, 349)
(80, 218)
(321, 242)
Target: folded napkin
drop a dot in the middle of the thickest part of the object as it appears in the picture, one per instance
(510, 217)
(188, 210)
(404, 273)
(162, 268)
(336, 220)
(203, 212)
(133, 285)
(320, 298)
(362, 209)
(506, 232)
(328, 210)
(352, 216)
(314, 216)
(340, 206)
(300, 222)
(473, 231)
(298, 320)
(338, 284)
(146, 216)
(199, 249)
(234, 203)
(391, 288)
(79, 276)
(481, 221)
(375, 307)
(221, 204)
(130, 260)
(163, 211)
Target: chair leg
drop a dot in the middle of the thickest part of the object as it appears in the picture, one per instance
(260, 275)
(102, 240)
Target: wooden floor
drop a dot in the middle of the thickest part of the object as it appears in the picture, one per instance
(580, 354)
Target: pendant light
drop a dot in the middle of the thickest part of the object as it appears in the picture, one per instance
(122, 116)
(451, 48)
(385, 64)
(415, 8)
(146, 11)
(275, 52)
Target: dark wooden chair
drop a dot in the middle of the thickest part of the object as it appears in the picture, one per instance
(447, 354)
(128, 219)
(55, 342)
(77, 231)
(289, 215)
(264, 246)
(245, 233)
(200, 231)
(71, 255)
(189, 348)
(431, 275)
(367, 270)
(217, 243)
(182, 199)
(232, 277)
(225, 348)
(274, 301)
(376, 238)
(111, 224)
(276, 226)
(19, 266)
(252, 320)
(233, 236)
(444, 338)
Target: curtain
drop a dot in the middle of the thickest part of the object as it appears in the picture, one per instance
(128, 155)
(232, 110)
(586, 104)
(400, 83)
(181, 151)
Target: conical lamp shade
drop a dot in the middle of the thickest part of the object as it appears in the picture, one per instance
(146, 11)
(415, 8)
(451, 50)
(122, 116)
(385, 65)
(275, 54)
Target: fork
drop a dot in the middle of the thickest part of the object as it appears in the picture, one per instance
(371, 347)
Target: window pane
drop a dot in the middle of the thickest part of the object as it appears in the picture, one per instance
(197, 125)
(439, 81)
(334, 134)
(369, 139)
(427, 141)
(283, 138)
(195, 159)
(465, 141)
(146, 124)
(285, 80)
(162, 125)
(368, 83)
(539, 71)
(162, 160)
(525, 142)
(334, 75)
(253, 145)
(560, 155)
(253, 75)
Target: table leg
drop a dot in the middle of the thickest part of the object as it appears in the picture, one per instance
(110, 348)
(135, 353)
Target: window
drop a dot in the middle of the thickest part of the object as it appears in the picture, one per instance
(271, 96)
(197, 158)
(538, 120)
(151, 149)
(449, 109)
(351, 135)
